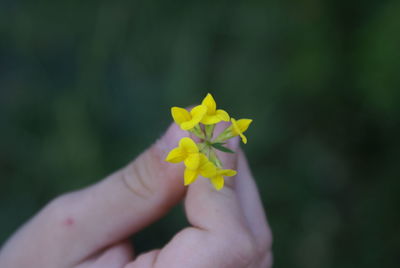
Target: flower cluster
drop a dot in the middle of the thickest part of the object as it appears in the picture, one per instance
(201, 158)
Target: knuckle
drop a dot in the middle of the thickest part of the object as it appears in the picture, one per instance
(140, 175)
(134, 179)
(242, 248)
(248, 250)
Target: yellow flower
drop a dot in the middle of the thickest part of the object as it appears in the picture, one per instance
(240, 126)
(188, 120)
(201, 159)
(213, 115)
(205, 169)
(187, 151)
(218, 178)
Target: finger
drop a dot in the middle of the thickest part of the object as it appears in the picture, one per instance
(210, 209)
(268, 260)
(252, 207)
(220, 236)
(108, 211)
(115, 256)
(146, 260)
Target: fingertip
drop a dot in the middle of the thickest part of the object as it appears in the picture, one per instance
(170, 138)
(242, 164)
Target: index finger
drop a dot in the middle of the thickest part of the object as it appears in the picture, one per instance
(78, 224)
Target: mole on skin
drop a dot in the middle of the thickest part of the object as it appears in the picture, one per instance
(69, 221)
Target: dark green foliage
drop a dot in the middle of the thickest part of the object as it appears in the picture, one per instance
(85, 86)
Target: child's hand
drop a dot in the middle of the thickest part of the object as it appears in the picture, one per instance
(90, 227)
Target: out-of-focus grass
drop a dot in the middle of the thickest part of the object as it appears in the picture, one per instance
(84, 87)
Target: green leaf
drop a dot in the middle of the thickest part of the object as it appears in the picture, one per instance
(220, 146)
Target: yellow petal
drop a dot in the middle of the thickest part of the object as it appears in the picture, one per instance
(190, 176)
(244, 139)
(198, 112)
(243, 124)
(223, 115)
(209, 102)
(180, 115)
(176, 155)
(227, 172)
(188, 145)
(236, 130)
(203, 159)
(192, 161)
(188, 125)
(210, 119)
(217, 182)
(206, 168)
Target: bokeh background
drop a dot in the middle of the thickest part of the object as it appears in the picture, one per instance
(87, 85)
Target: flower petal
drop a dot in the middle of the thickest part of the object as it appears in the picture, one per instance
(203, 159)
(243, 124)
(235, 128)
(190, 176)
(206, 168)
(192, 161)
(188, 125)
(244, 139)
(198, 113)
(209, 102)
(180, 115)
(227, 172)
(217, 182)
(188, 145)
(223, 115)
(176, 155)
(210, 119)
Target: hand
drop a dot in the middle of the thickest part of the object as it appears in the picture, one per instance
(90, 227)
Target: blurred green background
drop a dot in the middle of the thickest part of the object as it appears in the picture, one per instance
(87, 85)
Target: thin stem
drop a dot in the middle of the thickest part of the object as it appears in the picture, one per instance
(201, 146)
(209, 129)
(198, 132)
(214, 158)
(224, 135)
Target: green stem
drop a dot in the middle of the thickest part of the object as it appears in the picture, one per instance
(202, 146)
(224, 135)
(198, 132)
(214, 158)
(209, 131)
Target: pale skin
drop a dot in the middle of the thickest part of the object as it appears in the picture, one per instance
(91, 227)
